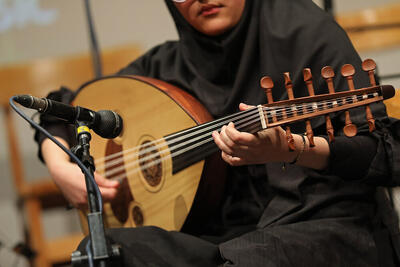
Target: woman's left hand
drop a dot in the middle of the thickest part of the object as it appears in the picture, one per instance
(240, 148)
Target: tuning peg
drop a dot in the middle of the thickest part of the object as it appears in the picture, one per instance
(369, 66)
(348, 72)
(327, 73)
(289, 89)
(288, 85)
(308, 80)
(267, 84)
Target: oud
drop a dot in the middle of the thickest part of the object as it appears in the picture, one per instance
(165, 158)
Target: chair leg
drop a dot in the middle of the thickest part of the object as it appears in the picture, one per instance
(33, 210)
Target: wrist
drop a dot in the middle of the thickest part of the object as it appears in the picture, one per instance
(301, 147)
(316, 157)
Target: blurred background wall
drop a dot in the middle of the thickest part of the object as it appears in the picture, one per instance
(37, 29)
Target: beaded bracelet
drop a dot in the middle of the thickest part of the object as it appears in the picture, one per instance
(301, 151)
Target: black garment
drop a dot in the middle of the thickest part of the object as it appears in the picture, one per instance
(152, 246)
(270, 216)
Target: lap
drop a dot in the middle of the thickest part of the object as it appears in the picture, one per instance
(312, 243)
(152, 246)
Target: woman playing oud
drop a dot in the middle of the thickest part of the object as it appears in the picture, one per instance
(320, 209)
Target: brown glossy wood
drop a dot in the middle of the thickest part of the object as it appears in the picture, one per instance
(326, 111)
(373, 28)
(308, 79)
(267, 83)
(310, 87)
(288, 85)
(289, 89)
(383, 92)
(152, 109)
(369, 66)
(325, 97)
(327, 73)
(348, 71)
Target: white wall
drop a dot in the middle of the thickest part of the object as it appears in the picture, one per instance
(117, 22)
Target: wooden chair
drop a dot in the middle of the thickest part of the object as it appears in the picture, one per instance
(38, 78)
(373, 28)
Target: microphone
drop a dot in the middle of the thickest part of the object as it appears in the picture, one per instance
(105, 123)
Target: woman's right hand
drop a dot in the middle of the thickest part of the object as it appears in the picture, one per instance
(69, 177)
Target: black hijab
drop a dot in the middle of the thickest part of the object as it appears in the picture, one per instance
(272, 37)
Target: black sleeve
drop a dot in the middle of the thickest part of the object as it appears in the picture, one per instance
(371, 157)
(52, 124)
(351, 157)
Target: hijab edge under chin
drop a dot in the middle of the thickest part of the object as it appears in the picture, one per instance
(185, 29)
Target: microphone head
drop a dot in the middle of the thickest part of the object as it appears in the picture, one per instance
(108, 125)
(24, 100)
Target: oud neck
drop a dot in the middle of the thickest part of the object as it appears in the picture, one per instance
(304, 108)
(196, 143)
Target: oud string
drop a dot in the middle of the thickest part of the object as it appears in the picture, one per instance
(155, 158)
(206, 127)
(194, 146)
(291, 110)
(244, 122)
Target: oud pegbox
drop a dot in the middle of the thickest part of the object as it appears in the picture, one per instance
(283, 113)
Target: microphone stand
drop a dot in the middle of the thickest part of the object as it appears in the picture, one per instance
(94, 48)
(101, 252)
(328, 6)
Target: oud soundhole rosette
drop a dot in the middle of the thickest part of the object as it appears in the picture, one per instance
(150, 164)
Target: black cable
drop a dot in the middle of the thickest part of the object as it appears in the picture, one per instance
(328, 6)
(72, 155)
(74, 158)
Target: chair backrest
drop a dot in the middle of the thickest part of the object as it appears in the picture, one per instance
(40, 76)
(373, 28)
